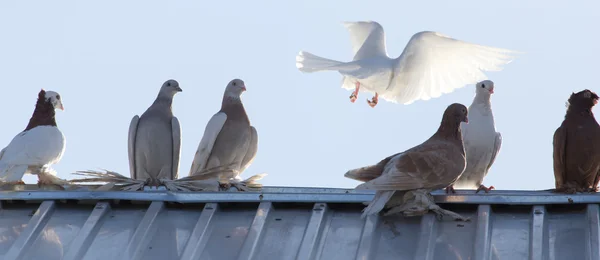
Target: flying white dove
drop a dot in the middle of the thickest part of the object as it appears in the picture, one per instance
(155, 139)
(482, 142)
(37, 147)
(228, 139)
(431, 64)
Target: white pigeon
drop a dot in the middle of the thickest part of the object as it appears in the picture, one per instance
(431, 64)
(482, 142)
(228, 140)
(39, 146)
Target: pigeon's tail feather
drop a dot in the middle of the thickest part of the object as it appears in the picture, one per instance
(10, 173)
(308, 62)
(364, 174)
(378, 203)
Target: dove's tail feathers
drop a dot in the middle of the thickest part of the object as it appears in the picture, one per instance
(308, 62)
(365, 174)
(378, 203)
(10, 172)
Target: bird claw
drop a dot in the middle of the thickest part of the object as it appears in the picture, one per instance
(450, 189)
(353, 97)
(484, 188)
(224, 186)
(373, 102)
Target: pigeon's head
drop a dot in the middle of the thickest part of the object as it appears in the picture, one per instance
(584, 99)
(51, 98)
(170, 88)
(456, 113)
(235, 88)
(485, 87)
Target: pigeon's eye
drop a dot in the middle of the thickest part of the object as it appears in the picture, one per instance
(482, 85)
(58, 97)
(234, 83)
(169, 84)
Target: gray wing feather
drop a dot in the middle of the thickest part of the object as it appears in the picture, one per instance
(497, 145)
(176, 130)
(131, 145)
(252, 148)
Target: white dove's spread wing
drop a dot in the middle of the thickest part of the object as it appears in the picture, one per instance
(252, 148)
(433, 64)
(176, 132)
(131, 145)
(368, 39)
(211, 132)
(497, 146)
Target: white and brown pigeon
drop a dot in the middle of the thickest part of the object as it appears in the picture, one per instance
(154, 144)
(37, 147)
(431, 64)
(482, 142)
(435, 164)
(228, 140)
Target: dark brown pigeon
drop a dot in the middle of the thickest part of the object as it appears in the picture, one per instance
(435, 164)
(577, 146)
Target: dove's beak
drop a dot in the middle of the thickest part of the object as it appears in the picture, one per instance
(491, 91)
(243, 88)
(179, 89)
(466, 120)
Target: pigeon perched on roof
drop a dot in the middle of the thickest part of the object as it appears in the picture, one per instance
(435, 164)
(228, 139)
(431, 64)
(154, 143)
(37, 147)
(576, 150)
(482, 142)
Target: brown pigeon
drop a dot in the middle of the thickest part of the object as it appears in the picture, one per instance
(228, 139)
(435, 164)
(577, 146)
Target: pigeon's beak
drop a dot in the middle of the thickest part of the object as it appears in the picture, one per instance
(491, 91)
(60, 106)
(243, 88)
(466, 120)
(179, 89)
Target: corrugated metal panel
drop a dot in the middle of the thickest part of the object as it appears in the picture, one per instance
(292, 223)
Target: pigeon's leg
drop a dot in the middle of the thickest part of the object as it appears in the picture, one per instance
(450, 189)
(354, 94)
(374, 100)
(225, 186)
(484, 188)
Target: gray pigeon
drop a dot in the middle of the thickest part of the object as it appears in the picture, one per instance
(435, 164)
(229, 139)
(482, 142)
(155, 139)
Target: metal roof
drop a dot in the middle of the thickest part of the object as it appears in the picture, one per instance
(291, 223)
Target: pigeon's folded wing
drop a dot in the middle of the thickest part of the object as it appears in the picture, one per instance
(409, 171)
(370, 172)
(131, 145)
(176, 132)
(33, 147)
(252, 149)
(211, 132)
(433, 64)
(497, 146)
(367, 39)
(559, 143)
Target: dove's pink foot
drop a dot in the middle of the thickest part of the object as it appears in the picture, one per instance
(484, 188)
(374, 100)
(450, 189)
(354, 94)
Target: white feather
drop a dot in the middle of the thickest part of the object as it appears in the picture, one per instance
(211, 132)
(39, 147)
(431, 64)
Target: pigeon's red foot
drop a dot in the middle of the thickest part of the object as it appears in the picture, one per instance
(450, 189)
(353, 97)
(373, 102)
(484, 188)
(224, 186)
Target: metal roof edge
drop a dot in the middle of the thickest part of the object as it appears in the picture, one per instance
(301, 194)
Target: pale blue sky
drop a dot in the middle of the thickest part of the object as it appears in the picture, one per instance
(108, 59)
